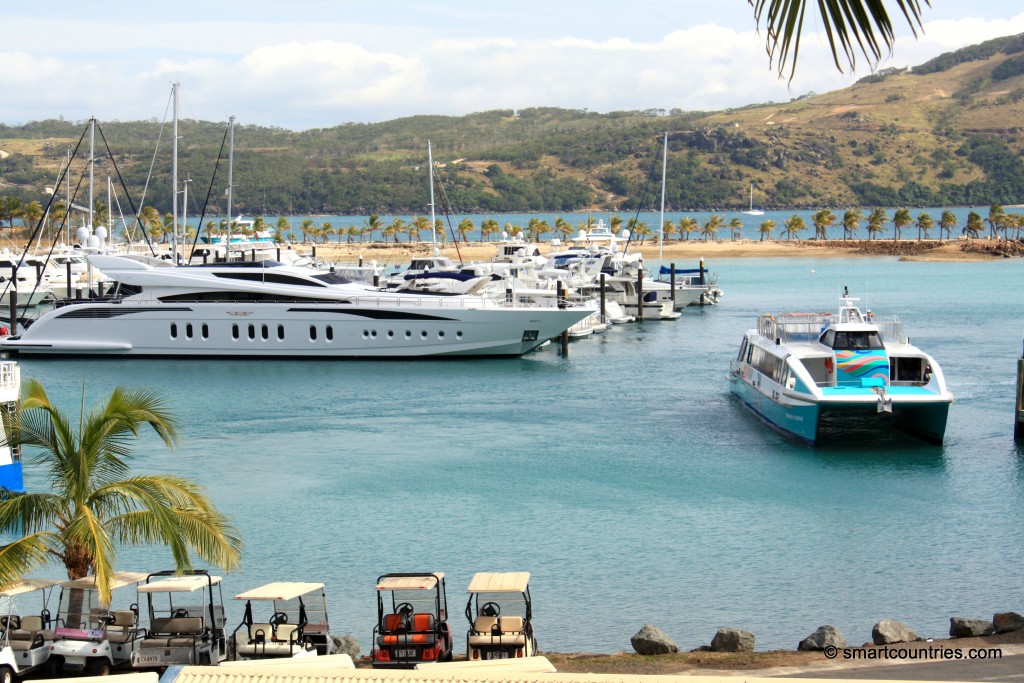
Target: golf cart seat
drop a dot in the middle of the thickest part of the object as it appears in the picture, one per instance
(266, 641)
(30, 634)
(421, 631)
(122, 629)
(498, 631)
(173, 631)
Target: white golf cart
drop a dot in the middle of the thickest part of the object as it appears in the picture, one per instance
(500, 615)
(296, 627)
(25, 641)
(94, 638)
(186, 620)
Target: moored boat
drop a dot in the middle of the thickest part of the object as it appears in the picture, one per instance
(816, 376)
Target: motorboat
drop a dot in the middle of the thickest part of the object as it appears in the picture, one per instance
(267, 309)
(819, 376)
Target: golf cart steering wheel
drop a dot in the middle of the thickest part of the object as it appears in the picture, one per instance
(106, 618)
(179, 613)
(490, 609)
(279, 618)
(12, 622)
(405, 608)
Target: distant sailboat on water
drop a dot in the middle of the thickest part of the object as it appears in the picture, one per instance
(752, 211)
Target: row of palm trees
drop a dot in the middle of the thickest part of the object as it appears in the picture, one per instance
(159, 226)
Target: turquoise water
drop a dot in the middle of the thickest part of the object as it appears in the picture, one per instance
(624, 477)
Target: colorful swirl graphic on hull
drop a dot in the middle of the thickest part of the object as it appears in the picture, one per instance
(856, 365)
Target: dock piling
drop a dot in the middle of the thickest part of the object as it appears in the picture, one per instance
(1018, 425)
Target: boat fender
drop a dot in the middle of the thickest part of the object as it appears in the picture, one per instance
(829, 365)
(927, 370)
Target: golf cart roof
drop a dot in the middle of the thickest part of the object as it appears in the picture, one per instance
(27, 586)
(280, 590)
(180, 584)
(499, 582)
(397, 582)
(119, 580)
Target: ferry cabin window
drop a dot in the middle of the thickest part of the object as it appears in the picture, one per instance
(743, 350)
(857, 341)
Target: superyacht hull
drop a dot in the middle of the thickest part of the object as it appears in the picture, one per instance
(288, 330)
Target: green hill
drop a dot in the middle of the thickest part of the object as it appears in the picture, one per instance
(944, 133)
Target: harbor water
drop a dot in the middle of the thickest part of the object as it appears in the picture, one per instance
(624, 477)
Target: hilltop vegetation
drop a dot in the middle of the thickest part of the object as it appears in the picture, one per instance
(944, 133)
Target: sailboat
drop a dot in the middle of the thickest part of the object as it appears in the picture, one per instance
(752, 211)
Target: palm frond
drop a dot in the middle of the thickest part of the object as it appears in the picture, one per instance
(22, 557)
(31, 512)
(852, 27)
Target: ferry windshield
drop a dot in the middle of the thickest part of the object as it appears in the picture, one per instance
(856, 341)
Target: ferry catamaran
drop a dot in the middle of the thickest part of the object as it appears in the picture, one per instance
(270, 310)
(815, 375)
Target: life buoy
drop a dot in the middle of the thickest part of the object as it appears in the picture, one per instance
(829, 366)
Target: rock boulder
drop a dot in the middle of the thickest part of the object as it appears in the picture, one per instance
(732, 640)
(825, 635)
(963, 627)
(651, 640)
(889, 631)
(346, 645)
(1005, 622)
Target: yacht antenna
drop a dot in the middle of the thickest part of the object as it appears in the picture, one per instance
(174, 180)
(433, 224)
(661, 224)
(231, 165)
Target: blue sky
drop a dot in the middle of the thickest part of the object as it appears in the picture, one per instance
(318, 63)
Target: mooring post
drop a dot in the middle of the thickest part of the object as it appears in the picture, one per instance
(672, 278)
(702, 282)
(604, 316)
(14, 311)
(1018, 427)
(640, 296)
(279, 254)
(67, 270)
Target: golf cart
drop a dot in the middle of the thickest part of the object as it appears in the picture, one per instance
(412, 621)
(91, 637)
(297, 626)
(25, 641)
(500, 616)
(186, 620)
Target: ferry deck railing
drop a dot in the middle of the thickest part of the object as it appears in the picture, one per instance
(808, 327)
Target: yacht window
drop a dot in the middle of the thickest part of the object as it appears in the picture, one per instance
(234, 332)
(280, 332)
(272, 278)
(265, 332)
(252, 331)
(206, 331)
(312, 333)
(857, 341)
(174, 330)
(829, 338)
(332, 279)
(329, 333)
(188, 330)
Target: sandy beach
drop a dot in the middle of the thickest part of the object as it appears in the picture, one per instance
(688, 252)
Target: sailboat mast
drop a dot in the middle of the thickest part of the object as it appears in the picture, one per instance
(92, 166)
(231, 181)
(661, 225)
(174, 180)
(433, 222)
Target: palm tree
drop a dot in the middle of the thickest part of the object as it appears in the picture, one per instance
(860, 26)
(373, 223)
(542, 228)
(736, 226)
(1014, 222)
(282, 226)
(822, 221)
(306, 228)
(766, 229)
(419, 224)
(975, 225)
(10, 208)
(900, 220)
(851, 222)
(465, 227)
(668, 229)
(686, 226)
(513, 230)
(876, 222)
(398, 226)
(353, 231)
(925, 222)
(947, 222)
(615, 224)
(93, 503)
(31, 214)
(711, 227)
(995, 219)
(794, 225)
(639, 229)
(489, 227)
(563, 227)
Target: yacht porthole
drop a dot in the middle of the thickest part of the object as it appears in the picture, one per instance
(329, 333)
(373, 333)
(188, 330)
(312, 333)
(408, 334)
(252, 332)
(234, 332)
(423, 334)
(280, 332)
(265, 332)
(366, 334)
(458, 334)
(391, 334)
(205, 331)
(440, 334)
(174, 330)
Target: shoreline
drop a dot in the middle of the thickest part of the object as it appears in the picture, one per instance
(693, 250)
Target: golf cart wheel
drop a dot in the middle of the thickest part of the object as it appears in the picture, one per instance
(6, 675)
(99, 667)
(54, 667)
